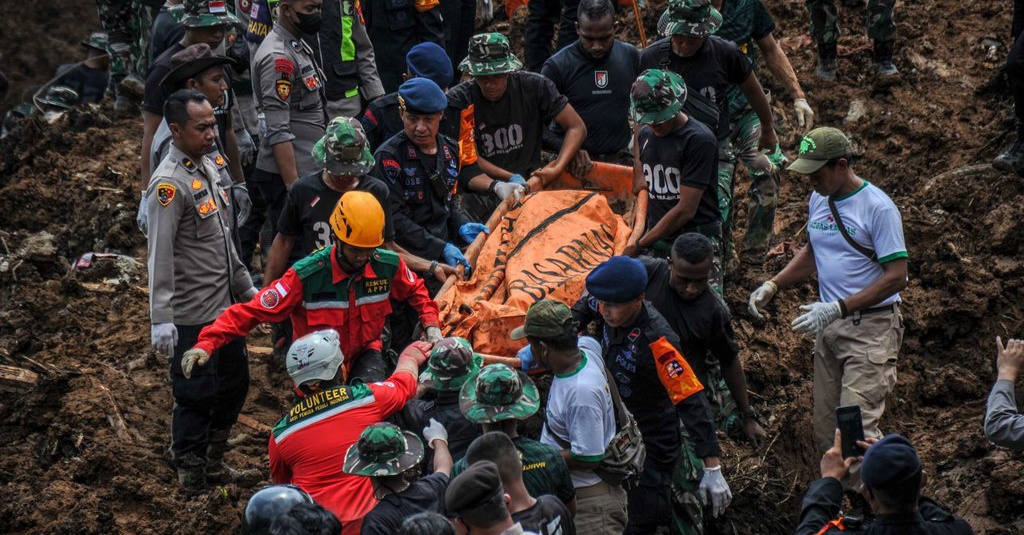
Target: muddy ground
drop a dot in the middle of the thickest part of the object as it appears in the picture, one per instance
(84, 451)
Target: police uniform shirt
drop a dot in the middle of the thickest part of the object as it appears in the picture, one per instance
(509, 131)
(689, 157)
(309, 206)
(194, 270)
(703, 324)
(425, 219)
(599, 92)
(716, 65)
(288, 88)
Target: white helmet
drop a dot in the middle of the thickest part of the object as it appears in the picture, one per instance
(315, 356)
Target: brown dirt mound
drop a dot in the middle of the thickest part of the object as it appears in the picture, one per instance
(85, 450)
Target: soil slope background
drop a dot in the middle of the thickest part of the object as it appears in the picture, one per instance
(84, 452)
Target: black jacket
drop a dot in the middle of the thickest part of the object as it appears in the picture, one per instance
(821, 505)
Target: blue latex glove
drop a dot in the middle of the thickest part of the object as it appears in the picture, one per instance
(525, 356)
(517, 179)
(453, 256)
(469, 232)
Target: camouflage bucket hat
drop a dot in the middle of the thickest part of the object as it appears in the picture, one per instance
(451, 363)
(205, 13)
(695, 18)
(490, 53)
(499, 393)
(383, 450)
(343, 150)
(656, 96)
(97, 41)
(60, 96)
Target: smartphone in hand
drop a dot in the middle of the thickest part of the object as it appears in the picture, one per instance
(851, 429)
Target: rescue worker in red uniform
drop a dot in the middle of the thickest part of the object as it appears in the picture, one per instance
(347, 287)
(307, 447)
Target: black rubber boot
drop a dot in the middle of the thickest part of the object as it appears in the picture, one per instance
(192, 474)
(883, 59)
(1012, 159)
(219, 473)
(826, 69)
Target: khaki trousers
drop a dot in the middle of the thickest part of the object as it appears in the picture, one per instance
(855, 364)
(600, 510)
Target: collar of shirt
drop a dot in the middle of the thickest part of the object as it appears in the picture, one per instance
(339, 274)
(619, 335)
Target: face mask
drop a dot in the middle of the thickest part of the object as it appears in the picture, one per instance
(309, 23)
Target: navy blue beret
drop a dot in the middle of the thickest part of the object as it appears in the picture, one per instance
(428, 60)
(422, 95)
(890, 460)
(617, 280)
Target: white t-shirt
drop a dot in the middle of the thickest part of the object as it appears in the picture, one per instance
(580, 412)
(872, 220)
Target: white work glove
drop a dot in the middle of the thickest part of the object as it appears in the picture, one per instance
(504, 189)
(488, 11)
(193, 357)
(434, 431)
(714, 491)
(164, 337)
(804, 113)
(434, 335)
(142, 217)
(760, 297)
(817, 317)
(243, 204)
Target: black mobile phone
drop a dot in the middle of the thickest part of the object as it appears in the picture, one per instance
(851, 429)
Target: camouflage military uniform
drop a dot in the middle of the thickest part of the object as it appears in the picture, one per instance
(127, 25)
(825, 20)
(744, 22)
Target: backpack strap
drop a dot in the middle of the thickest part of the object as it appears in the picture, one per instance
(870, 253)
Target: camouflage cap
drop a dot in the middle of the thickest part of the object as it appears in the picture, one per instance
(546, 319)
(97, 41)
(818, 147)
(343, 150)
(694, 18)
(205, 13)
(60, 96)
(490, 53)
(383, 450)
(451, 363)
(656, 96)
(499, 393)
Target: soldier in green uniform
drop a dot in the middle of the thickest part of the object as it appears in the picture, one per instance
(127, 24)
(497, 399)
(825, 31)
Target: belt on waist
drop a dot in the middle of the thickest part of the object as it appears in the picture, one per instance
(894, 307)
(597, 489)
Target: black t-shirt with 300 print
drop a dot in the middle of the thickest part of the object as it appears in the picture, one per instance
(307, 212)
(509, 130)
(688, 157)
(716, 65)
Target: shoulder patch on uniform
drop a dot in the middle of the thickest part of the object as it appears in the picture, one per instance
(270, 298)
(284, 65)
(392, 169)
(165, 193)
(284, 88)
(313, 263)
(386, 256)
